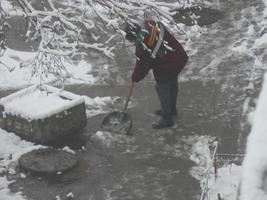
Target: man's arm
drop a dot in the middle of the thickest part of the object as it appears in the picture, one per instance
(142, 65)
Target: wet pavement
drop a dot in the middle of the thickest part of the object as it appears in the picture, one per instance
(154, 164)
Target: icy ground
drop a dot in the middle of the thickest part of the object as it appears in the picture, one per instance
(11, 148)
(217, 91)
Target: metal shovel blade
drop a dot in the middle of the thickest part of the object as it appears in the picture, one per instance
(118, 122)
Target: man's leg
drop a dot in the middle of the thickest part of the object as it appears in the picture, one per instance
(173, 88)
(174, 94)
(164, 94)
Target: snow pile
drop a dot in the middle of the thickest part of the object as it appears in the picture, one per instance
(16, 73)
(228, 176)
(109, 140)
(255, 162)
(104, 138)
(5, 193)
(70, 195)
(100, 105)
(226, 184)
(201, 155)
(68, 149)
(11, 148)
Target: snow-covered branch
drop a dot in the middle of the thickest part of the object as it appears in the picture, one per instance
(68, 28)
(3, 27)
(65, 27)
(79, 22)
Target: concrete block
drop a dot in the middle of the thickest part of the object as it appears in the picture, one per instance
(70, 119)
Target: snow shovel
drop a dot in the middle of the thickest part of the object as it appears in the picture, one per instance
(119, 121)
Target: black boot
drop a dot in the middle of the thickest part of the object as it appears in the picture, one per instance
(165, 121)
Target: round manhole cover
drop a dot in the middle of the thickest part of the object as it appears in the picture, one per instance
(48, 160)
(201, 15)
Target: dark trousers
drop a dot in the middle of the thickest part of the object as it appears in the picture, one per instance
(167, 93)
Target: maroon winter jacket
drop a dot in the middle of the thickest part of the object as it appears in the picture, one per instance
(170, 59)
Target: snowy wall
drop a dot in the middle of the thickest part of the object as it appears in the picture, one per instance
(254, 182)
(254, 185)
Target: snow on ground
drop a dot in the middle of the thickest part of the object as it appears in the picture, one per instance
(249, 43)
(105, 138)
(13, 76)
(226, 184)
(98, 105)
(253, 171)
(228, 175)
(207, 66)
(11, 148)
(201, 155)
(7, 6)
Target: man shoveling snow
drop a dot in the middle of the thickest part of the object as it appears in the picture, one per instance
(157, 49)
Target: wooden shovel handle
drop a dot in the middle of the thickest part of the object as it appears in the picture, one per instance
(130, 91)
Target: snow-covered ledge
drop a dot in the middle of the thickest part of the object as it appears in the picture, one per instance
(254, 175)
(39, 102)
(42, 113)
